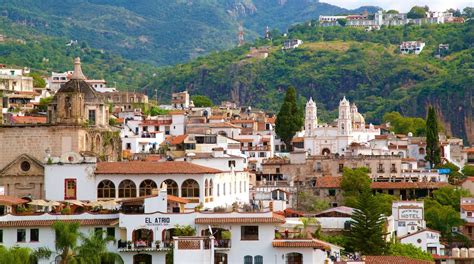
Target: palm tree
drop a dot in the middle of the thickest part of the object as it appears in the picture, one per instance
(306, 222)
(14, 255)
(67, 235)
(93, 250)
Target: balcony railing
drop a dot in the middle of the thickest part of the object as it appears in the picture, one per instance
(380, 170)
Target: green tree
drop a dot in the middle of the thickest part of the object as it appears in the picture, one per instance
(154, 111)
(403, 125)
(306, 222)
(290, 118)
(367, 226)
(93, 249)
(44, 102)
(38, 81)
(442, 218)
(454, 176)
(342, 21)
(67, 235)
(417, 12)
(308, 202)
(468, 170)
(385, 202)
(432, 139)
(408, 250)
(15, 255)
(450, 196)
(201, 101)
(354, 182)
(468, 12)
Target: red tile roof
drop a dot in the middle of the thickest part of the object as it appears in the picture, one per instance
(216, 117)
(468, 150)
(177, 199)
(394, 260)
(145, 167)
(222, 125)
(300, 243)
(408, 185)
(28, 119)
(297, 139)
(175, 140)
(329, 182)
(155, 122)
(37, 223)
(10, 200)
(275, 219)
(467, 207)
(243, 121)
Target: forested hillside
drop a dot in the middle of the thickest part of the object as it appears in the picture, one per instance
(160, 32)
(364, 66)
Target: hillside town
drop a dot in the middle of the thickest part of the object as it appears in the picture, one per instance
(98, 159)
(141, 180)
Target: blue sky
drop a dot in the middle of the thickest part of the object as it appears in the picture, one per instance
(403, 5)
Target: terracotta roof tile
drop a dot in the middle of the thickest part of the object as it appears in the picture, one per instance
(10, 200)
(243, 121)
(155, 122)
(177, 199)
(222, 125)
(144, 167)
(394, 260)
(329, 182)
(175, 140)
(271, 120)
(37, 223)
(300, 243)
(28, 120)
(241, 220)
(177, 112)
(467, 207)
(297, 139)
(407, 185)
(217, 117)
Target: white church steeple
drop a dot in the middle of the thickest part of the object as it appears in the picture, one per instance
(311, 118)
(344, 122)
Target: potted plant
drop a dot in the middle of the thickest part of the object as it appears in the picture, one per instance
(129, 244)
(157, 244)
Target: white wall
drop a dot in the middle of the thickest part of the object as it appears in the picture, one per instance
(55, 176)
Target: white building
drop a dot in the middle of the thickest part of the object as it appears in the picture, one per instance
(426, 239)
(408, 217)
(82, 179)
(324, 139)
(15, 80)
(292, 44)
(409, 47)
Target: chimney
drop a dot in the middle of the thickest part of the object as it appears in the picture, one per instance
(77, 74)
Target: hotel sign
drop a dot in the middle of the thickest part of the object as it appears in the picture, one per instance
(157, 221)
(410, 214)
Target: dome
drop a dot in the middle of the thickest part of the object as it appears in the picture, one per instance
(358, 118)
(77, 84)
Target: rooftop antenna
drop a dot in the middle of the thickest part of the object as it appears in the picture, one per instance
(241, 34)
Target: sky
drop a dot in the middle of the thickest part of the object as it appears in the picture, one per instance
(403, 5)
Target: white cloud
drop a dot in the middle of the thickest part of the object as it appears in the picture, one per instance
(403, 5)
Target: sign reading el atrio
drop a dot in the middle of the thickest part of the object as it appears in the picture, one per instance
(157, 221)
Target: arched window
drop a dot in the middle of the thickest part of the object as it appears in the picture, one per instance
(211, 188)
(146, 187)
(258, 259)
(171, 187)
(294, 258)
(190, 188)
(127, 189)
(248, 260)
(206, 187)
(106, 189)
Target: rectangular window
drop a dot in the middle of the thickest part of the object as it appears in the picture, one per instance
(128, 146)
(341, 167)
(34, 235)
(92, 117)
(249, 233)
(332, 192)
(21, 235)
(277, 170)
(231, 163)
(111, 232)
(469, 214)
(1, 236)
(262, 155)
(98, 231)
(70, 189)
(401, 224)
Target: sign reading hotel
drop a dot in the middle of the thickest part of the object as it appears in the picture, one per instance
(410, 214)
(157, 221)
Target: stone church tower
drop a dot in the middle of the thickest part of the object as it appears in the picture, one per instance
(344, 122)
(76, 103)
(311, 118)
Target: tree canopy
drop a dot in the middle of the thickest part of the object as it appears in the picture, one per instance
(290, 119)
(367, 226)
(417, 12)
(408, 250)
(404, 125)
(201, 101)
(433, 152)
(354, 182)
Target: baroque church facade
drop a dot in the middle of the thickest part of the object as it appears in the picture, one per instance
(324, 139)
(77, 122)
